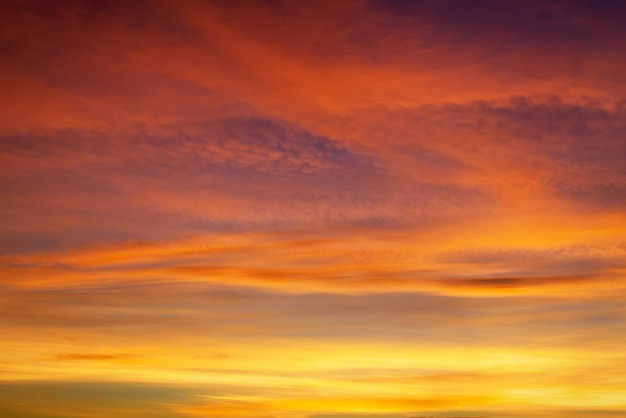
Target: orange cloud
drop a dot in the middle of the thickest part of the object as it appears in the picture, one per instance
(340, 264)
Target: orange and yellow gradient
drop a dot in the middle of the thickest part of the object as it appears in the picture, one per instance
(382, 209)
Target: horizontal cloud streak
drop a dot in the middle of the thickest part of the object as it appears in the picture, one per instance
(335, 264)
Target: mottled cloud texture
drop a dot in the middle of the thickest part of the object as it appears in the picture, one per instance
(290, 209)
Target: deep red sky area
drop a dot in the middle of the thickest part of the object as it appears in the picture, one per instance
(330, 209)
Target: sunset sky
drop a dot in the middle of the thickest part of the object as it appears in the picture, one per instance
(313, 209)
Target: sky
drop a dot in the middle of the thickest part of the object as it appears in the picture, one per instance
(329, 209)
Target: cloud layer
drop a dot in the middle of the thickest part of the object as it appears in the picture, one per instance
(278, 209)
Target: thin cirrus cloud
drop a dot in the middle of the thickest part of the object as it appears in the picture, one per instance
(279, 209)
(332, 265)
